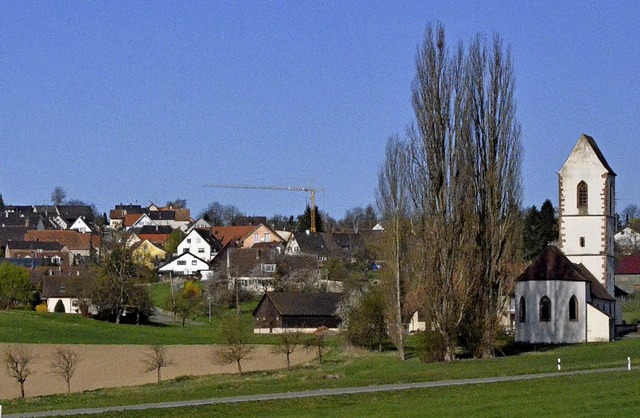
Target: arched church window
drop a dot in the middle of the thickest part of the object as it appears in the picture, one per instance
(583, 197)
(522, 310)
(545, 309)
(573, 308)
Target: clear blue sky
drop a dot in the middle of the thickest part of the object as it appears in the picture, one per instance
(124, 102)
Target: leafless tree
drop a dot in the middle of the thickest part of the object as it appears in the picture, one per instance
(18, 361)
(393, 203)
(465, 181)
(318, 341)
(155, 358)
(236, 335)
(440, 175)
(287, 343)
(64, 364)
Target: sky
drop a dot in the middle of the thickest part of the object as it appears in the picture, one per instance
(140, 102)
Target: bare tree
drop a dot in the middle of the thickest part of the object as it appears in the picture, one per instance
(18, 361)
(440, 174)
(495, 137)
(318, 341)
(64, 364)
(466, 185)
(287, 343)
(236, 334)
(393, 203)
(58, 195)
(155, 358)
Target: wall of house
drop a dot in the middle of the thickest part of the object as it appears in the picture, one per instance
(260, 234)
(70, 305)
(598, 325)
(267, 316)
(559, 329)
(186, 265)
(196, 245)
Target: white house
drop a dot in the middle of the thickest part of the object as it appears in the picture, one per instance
(628, 240)
(185, 264)
(201, 243)
(80, 225)
(565, 295)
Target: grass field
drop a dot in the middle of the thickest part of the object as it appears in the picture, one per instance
(587, 395)
(351, 369)
(42, 328)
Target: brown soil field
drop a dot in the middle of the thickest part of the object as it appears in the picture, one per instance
(104, 366)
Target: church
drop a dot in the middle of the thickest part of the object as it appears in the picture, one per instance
(566, 294)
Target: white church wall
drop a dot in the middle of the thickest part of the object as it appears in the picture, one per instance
(598, 329)
(559, 329)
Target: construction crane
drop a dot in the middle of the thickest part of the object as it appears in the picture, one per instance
(311, 190)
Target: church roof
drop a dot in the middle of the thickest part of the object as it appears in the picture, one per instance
(552, 264)
(596, 150)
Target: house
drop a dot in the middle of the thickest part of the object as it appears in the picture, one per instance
(117, 215)
(200, 223)
(136, 221)
(156, 234)
(628, 240)
(201, 243)
(628, 273)
(80, 225)
(147, 254)
(300, 312)
(80, 246)
(246, 236)
(308, 244)
(48, 253)
(566, 294)
(185, 264)
(346, 246)
(56, 289)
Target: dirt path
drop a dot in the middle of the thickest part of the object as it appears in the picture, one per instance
(104, 366)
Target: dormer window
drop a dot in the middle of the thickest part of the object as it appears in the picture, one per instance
(583, 197)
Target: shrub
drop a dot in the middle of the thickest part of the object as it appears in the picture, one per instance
(42, 308)
(430, 346)
(59, 308)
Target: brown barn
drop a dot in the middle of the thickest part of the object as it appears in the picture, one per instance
(304, 312)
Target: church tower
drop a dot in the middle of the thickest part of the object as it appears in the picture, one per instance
(587, 210)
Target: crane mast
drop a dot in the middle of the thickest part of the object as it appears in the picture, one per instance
(311, 190)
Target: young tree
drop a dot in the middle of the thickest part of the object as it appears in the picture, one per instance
(287, 343)
(58, 195)
(155, 358)
(175, 238)
(64, 364)
(393, 202)
(18, 361)
(188, 300)
(364, 319)
(318, 342)
(177, 203)
(15, 287)
(235, 332)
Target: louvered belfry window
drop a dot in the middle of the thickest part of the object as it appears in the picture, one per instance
(583, 197)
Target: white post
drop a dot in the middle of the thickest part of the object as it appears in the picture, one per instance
(628, 363)
(559, 365)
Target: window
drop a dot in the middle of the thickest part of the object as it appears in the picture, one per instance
(269, 268)
(194, 262)
(522, 311)
(573, 308)
(182, 262)
(267, 237)
(201, 250)
(545, 309)
(583, 197)
(582, 241)
(188, 240)
(256, 237)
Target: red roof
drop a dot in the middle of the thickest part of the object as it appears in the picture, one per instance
(629, 265)
(232, 233)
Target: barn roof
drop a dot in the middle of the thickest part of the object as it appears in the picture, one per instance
(303, 304)
(629, 265)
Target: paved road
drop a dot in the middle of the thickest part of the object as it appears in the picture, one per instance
(307, 394)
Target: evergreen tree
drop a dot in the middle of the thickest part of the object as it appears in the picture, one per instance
(304, 220)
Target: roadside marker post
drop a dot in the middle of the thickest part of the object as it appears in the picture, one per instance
(629, 363)
(559, 364)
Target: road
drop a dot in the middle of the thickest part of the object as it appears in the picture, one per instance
(308, 394)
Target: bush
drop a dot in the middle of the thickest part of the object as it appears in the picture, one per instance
(59, 308)
(42, 308)
(430, 346)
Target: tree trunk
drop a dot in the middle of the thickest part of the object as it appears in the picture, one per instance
(288, 361)
(68, 386)
(159, 377)
(239, 366)
(22, 389)
(118, 315)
